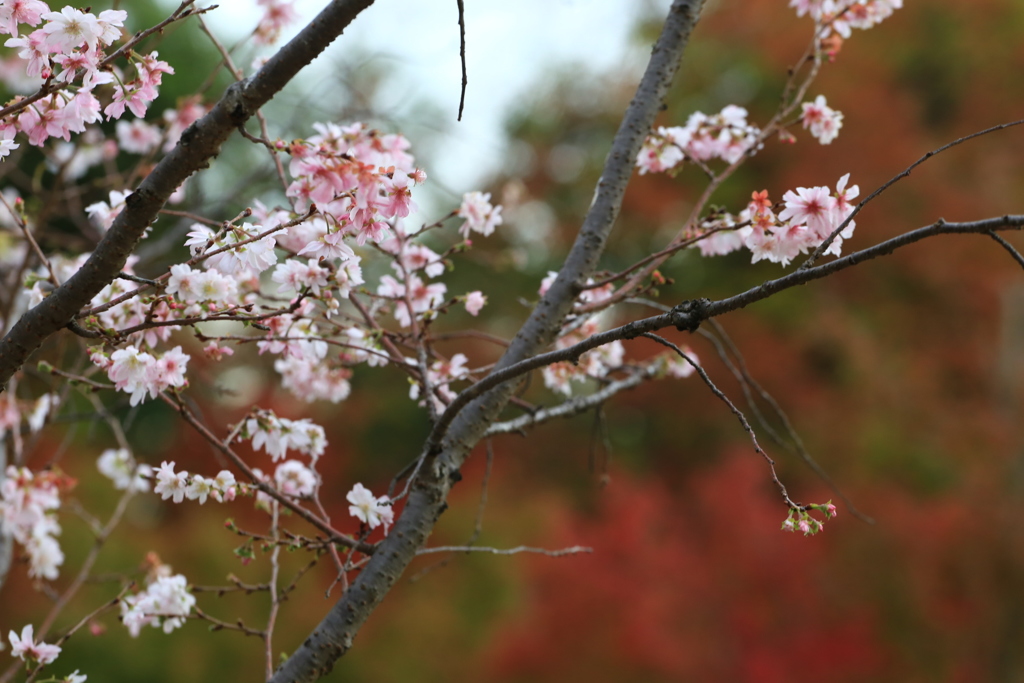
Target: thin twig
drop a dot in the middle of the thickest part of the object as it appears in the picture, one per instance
(462, 56)
(816, 254)
(574, 550)
(735, 411)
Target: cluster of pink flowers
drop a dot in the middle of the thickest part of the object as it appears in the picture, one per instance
(595, 363)
(244, 253)
(357, 176)
(165, 603)
(194, 286)
(369, 509)
(809, 216)
(277, 435)
(181, 485)
(440, 375)
(842, 15)
(120, 467)
(480, 215)
(823, 121)
(139, 372)
(277, 15)
(28, 504)
(422, 297)
(801, 520)
(293, 478)
(70, 45)
(725, 135)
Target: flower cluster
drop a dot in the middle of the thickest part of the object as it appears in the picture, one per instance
(277, 14)
(440, 375)
(809, 216)
(28, 504)
(842, 15)
(370, 510)
(725, 135)
(68, 47)
(165, 604)
(181, 485)
(422, 297)
(480, 216)
(120, 467)
(139, 373)
(594, 363)
(823, 121)
(239, 251)
(801, 520)
(277, 435)
(358, 177)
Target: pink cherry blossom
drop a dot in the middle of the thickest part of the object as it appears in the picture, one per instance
(480, 216)
(474, 302)
(26, 649)
(14, 12)
(822, 121)
(811, 206)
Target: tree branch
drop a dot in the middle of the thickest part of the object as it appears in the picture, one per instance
(461, 427)
(200, 143)
(574, 406)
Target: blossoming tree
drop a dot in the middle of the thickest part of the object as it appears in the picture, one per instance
(330, 274)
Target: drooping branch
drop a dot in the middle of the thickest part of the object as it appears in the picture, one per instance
(457, 431)
(200, 143)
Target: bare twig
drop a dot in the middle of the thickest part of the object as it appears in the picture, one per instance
(735, 411)
(462, 55)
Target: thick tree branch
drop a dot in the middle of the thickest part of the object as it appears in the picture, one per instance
(198, 145)
(690, 314)
(460, 428)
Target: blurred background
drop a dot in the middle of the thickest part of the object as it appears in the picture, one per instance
(903, 376)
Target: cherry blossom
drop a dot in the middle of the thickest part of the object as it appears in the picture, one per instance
(474, 302)
(277, 15)
(368, 509)
(33, 49)
(26, 649)
(480, 216)
(821, 120)
(27, 513)
(14, 12)
(165, 604)
(277, 435)
(812, 206)
(421, 296)
(295, 479)
(725, 135)
(119, 466)
(170, 484)
(137, 137)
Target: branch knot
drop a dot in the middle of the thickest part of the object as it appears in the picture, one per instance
(688, 315)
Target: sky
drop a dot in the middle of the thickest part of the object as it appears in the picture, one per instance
(510, 48)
